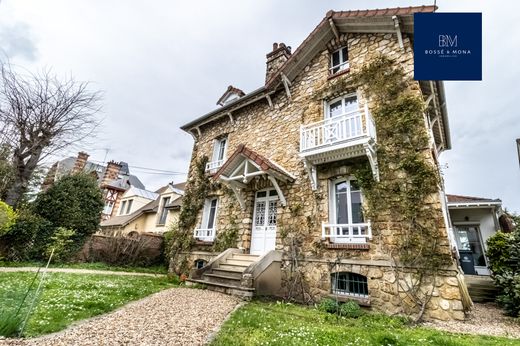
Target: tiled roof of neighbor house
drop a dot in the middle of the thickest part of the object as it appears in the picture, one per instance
(66, 165)
(265, 164)
(180, 186)
(470, 199)
(121, 220)
(134, 191)
(175, 204)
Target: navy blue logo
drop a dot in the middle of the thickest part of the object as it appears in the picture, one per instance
(448, 46)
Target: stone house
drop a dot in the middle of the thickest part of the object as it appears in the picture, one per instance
(143, 211)
(113, 179)
(281, 160)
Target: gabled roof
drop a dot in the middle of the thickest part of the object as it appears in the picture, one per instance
(469, 201)
(231, 90)
(359, 21)
(263, 164)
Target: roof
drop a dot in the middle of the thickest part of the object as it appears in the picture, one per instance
(175, 204)
(358, 21)
(231, 90)
(180, 186)
(134, 191)
(469, 201)
(66, 165)
(264, 164)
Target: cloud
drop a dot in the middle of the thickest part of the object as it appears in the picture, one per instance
(17, 41)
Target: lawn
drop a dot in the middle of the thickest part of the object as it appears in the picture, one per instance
(157, 269)
(261, 323)
(71, 297)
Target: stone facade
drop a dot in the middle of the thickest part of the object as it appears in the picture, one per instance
(274, 132)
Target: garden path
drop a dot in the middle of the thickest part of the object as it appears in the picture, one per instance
(177, 316)
(75, 271)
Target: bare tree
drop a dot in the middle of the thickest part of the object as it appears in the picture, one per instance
(40, 115)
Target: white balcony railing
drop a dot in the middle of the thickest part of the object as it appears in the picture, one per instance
(355, 233)
(213, 166)
(341, 128)
(204, 234)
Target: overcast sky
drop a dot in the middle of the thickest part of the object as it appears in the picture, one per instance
(164, 63)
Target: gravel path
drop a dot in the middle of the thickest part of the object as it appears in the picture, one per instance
(178, 316)
(73, 271)
(484, 319)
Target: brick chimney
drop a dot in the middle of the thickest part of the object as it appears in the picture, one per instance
(111, 172)
(81, 161)
(276, 58)
(50, 177)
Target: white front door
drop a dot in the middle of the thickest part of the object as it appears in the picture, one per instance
(263, 235)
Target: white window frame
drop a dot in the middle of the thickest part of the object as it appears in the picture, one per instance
(327, 229)
(343, 65)
(163, 210)
(327, 104)
(129, 206)
(122, 208)
(204, 232)
(217, 161)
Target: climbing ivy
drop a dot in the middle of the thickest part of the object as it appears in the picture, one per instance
(400, 205)
(199, 186)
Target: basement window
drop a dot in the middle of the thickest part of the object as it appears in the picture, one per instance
(339, 60)
(200, 263)
(351, 284)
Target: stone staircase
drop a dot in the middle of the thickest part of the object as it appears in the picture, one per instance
(226, 274)
(481, 288)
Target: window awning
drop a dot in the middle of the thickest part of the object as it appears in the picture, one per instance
(245, 164)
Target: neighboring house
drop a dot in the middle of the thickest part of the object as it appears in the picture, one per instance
(114, 179)
(284, 156)
(146, 211)
(473, 221)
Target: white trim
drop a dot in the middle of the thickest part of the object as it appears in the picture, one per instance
(343, 65)
(474, 205)
(204, 232)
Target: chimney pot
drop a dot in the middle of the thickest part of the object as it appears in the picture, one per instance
(276, 58)
(275, 46)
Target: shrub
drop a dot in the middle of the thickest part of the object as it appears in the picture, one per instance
(74, 202)
(60, 244)
(328, 305)
(350, 309)
(27, 237)
(7, 218)
(504, 257)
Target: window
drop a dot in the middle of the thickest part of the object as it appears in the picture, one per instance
(344, 105)
(339, 60)
(219, 154)
(164, 211)
(468, 239)
(351, 284)
(210, 211)
(122, 209)
(200, 263)
(129, 207)
(347, 223)
(109, 205)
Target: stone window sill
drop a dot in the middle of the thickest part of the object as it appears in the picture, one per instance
(337, 74)
(203, 243)
(345, 298)
(363, 246)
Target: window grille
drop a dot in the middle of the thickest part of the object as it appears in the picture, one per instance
(351, 284)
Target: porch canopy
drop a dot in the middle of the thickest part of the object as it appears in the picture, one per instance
(245, 164)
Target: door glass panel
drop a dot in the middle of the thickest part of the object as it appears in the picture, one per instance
(468, 238)
(351, 104)
(261, 194)
(341, 203)
(271, 216)
(273, 193)
(335, 109)
(212, 213)
(260, 214)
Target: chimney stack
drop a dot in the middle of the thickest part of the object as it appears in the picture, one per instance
(276, 58)
(111, 172)
(81, 161)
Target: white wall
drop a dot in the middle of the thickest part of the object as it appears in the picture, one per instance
(483, 217)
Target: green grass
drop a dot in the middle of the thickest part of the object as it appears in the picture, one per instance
(260, 323)
(71, 297)
(157, 269)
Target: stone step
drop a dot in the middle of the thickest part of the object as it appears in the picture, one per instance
(227, 272)
(242, 292)
(238, 262)
(232, 267)
(222, 279)
(247, 257)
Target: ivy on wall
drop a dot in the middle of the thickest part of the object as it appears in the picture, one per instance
(402, 205)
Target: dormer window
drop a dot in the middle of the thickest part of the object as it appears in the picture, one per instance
(339, 60)
(219, 154)
(231, 94)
